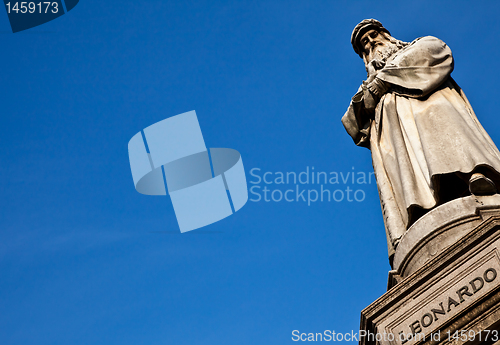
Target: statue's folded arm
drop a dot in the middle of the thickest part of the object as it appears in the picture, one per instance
(420, 68)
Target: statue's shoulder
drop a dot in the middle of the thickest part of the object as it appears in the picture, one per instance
(428, 41)
(423, 44)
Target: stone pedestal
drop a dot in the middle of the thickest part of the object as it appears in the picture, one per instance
(445, 287)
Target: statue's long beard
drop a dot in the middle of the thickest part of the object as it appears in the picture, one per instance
(382, 53)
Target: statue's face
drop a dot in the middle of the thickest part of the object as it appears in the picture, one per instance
(373, 43)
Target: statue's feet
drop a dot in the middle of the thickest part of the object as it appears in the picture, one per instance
(481, 185)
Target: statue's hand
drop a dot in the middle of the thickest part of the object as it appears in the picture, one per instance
(373, 92)
(378, 64)
(372, 68)
(378, 87)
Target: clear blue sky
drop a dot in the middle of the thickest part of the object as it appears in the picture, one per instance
(85, 259)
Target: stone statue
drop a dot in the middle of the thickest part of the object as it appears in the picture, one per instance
(427, 144)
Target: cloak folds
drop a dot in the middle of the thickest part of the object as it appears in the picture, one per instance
(423, 131)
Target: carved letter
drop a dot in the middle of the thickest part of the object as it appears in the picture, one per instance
(427, 324)
(402, 337)
(474, 287)
(415, 327)
(438, 311)
(450, 302)
(493, 272)
(463, 291)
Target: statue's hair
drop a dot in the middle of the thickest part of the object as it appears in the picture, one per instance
(400, 44)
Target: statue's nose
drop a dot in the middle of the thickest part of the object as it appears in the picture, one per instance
(373, 42)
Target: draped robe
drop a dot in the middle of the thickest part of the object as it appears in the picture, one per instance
(423, 128)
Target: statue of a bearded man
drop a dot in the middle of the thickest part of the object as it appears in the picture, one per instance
(427, 144)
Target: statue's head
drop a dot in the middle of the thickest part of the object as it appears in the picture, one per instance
(371, 40)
